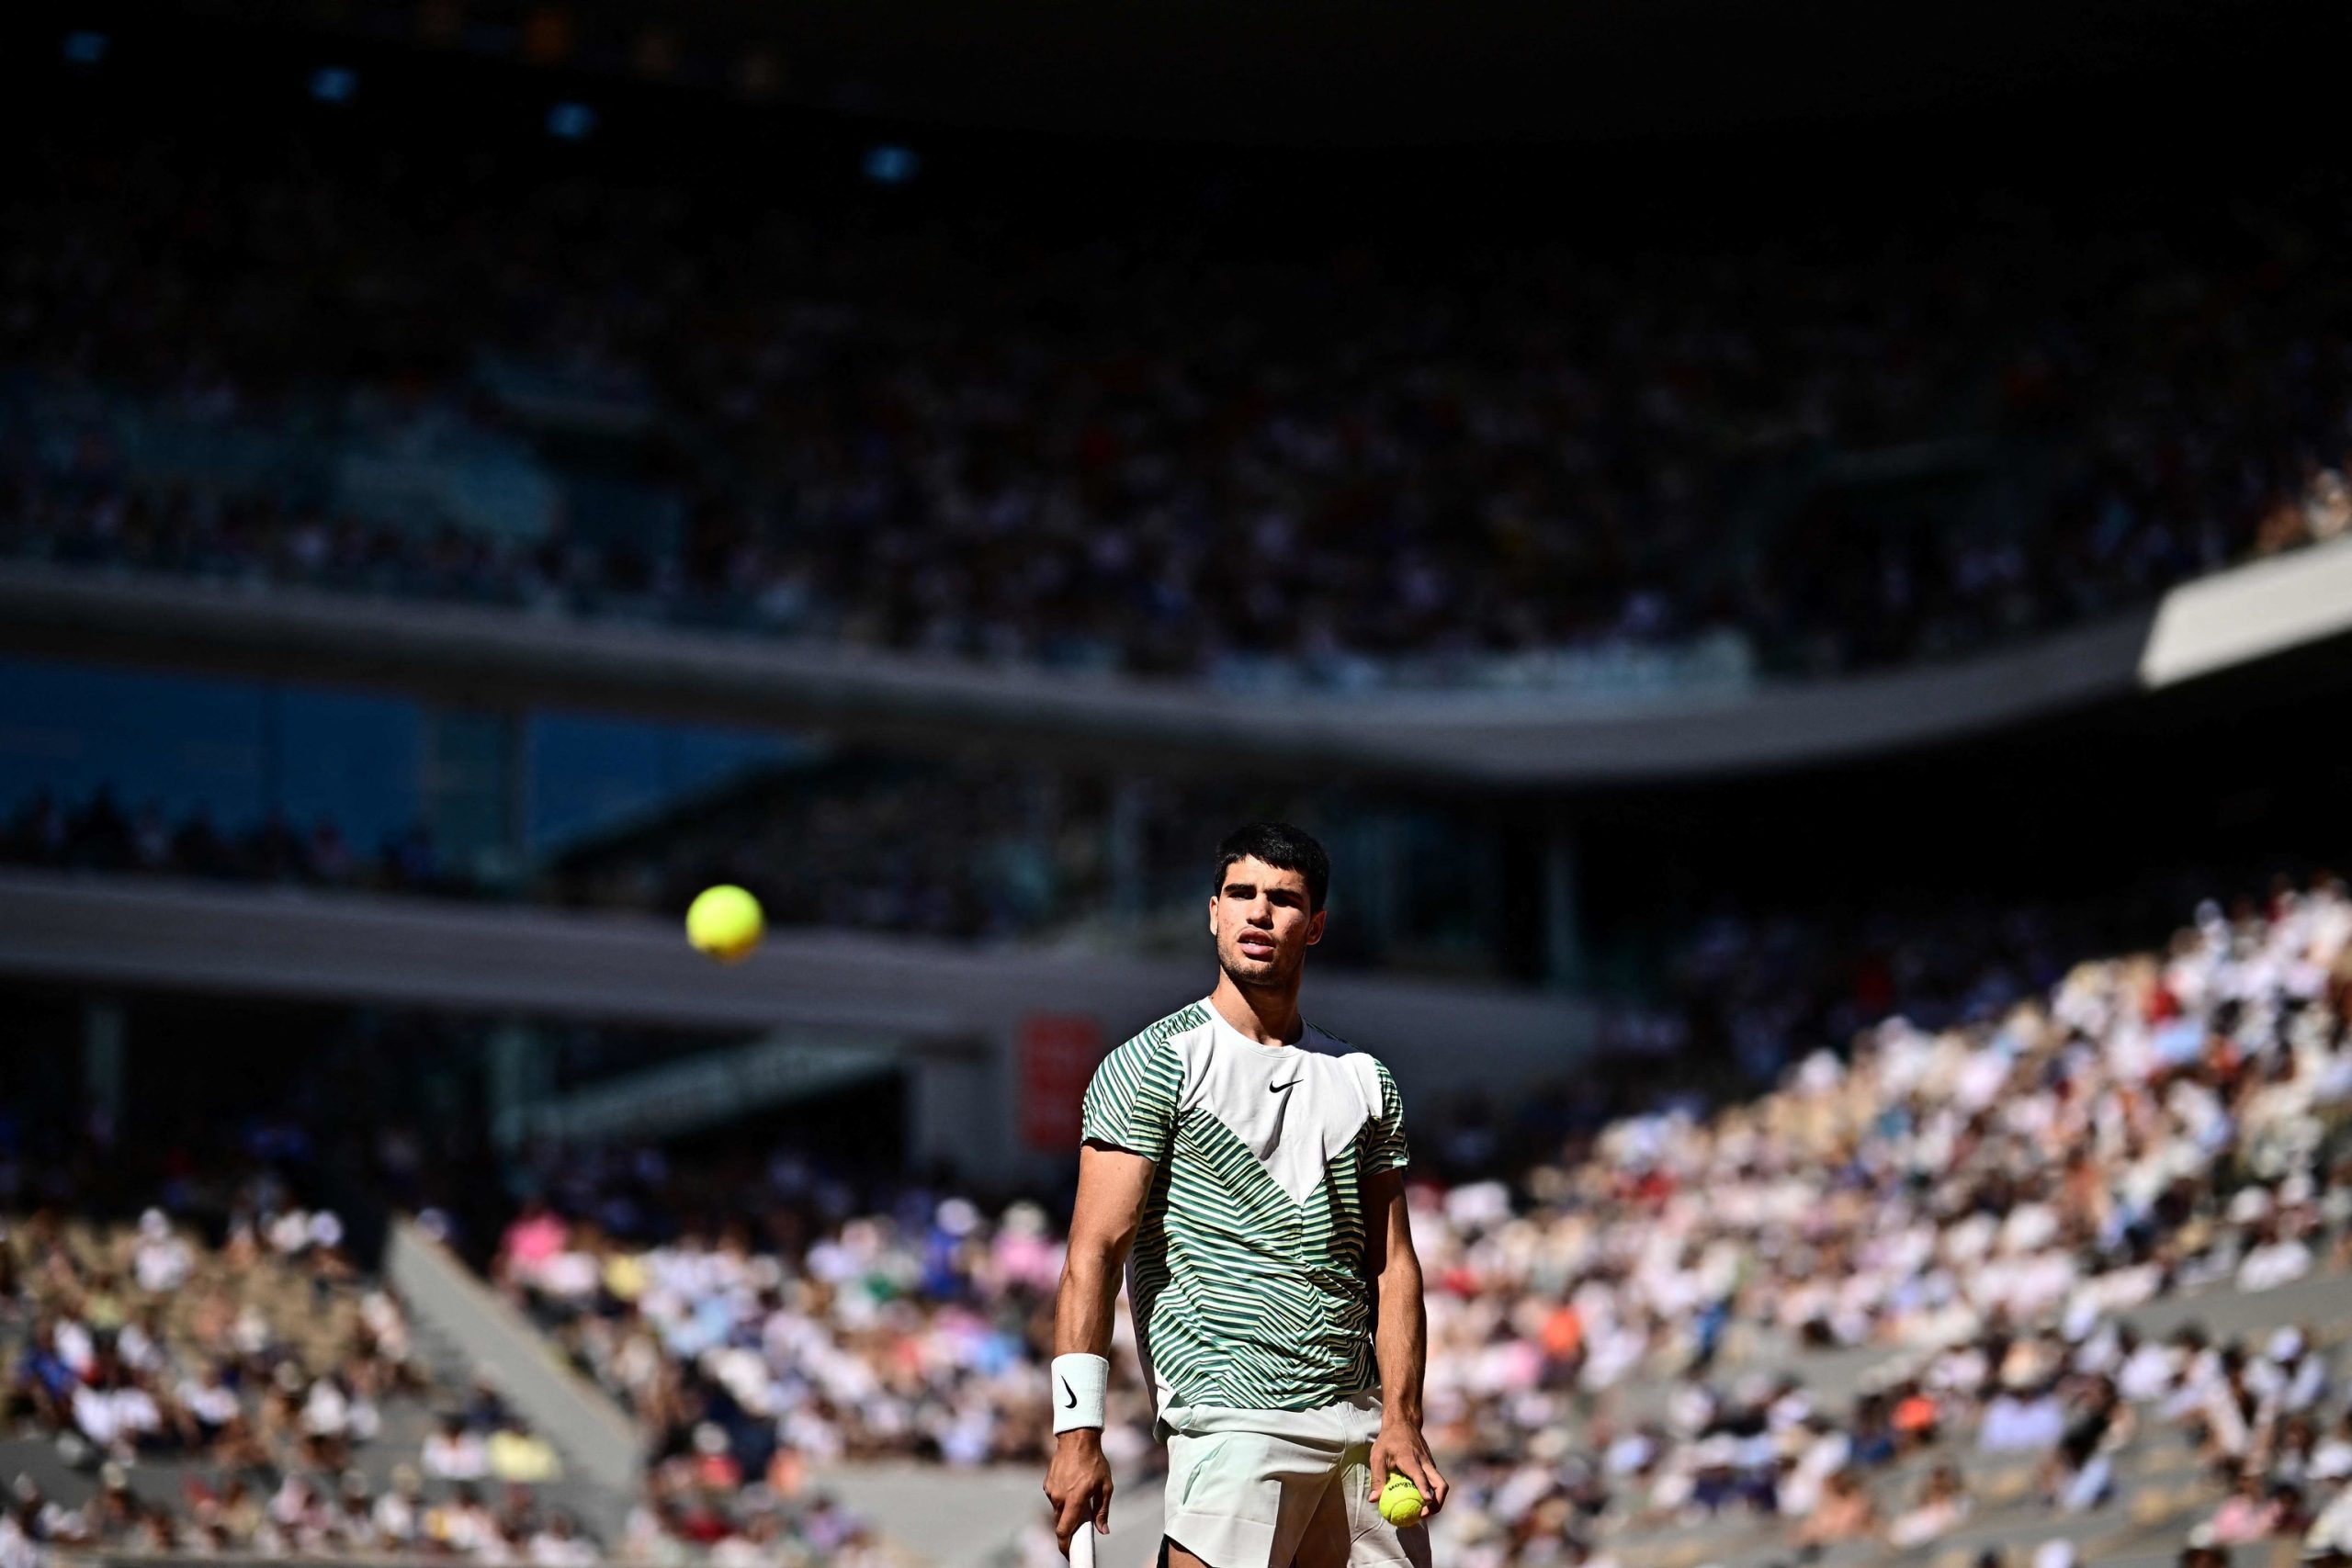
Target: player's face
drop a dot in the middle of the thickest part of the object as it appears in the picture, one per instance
(1262, 922)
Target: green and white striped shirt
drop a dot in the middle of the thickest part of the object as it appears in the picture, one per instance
(1247, 1277)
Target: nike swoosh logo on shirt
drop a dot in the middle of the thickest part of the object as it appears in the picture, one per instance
(1278, 1088)
(1071, 1403)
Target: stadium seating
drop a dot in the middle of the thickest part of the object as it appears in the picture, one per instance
(1149, 453)
(261, 1397)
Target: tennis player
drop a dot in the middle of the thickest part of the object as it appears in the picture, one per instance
(1247, 1170)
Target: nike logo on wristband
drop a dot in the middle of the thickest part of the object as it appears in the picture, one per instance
(1071, 1403)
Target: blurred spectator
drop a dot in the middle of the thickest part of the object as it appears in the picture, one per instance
(454, 1452)
(517, 1454)
(1943, 1503)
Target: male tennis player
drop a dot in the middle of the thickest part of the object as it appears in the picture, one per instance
(1248, 1168)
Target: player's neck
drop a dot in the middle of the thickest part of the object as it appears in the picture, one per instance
(1267, 1014)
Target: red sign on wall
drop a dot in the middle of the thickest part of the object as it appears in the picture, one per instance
(1058, 1052)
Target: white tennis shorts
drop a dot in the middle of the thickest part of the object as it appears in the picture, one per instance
(1281, 1488)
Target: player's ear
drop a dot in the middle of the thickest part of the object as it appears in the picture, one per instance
(1315, 927)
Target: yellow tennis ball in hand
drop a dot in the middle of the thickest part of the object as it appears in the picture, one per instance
(1400, 1500)
(725, 922)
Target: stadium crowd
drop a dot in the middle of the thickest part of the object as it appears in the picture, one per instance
(835, 1335)
(1978, 1201)
(1172, 452)
(262, 1366)
(100, 834)
(1741, 989)
(237, 1396)
(140, 1342)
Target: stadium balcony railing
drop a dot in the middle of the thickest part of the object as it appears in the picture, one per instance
(2228, 620)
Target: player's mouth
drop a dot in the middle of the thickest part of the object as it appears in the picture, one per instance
(1256, 946)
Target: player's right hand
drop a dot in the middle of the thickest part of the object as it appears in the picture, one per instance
(1078, 1484)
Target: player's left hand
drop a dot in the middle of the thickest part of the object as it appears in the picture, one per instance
(1399, 1449)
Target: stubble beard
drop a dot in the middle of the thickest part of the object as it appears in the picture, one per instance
(1256, 974)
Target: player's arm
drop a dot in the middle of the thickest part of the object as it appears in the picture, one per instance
(1399, 1339)
(1112, 1187)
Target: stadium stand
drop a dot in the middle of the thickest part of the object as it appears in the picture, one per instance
(914, 435)
(1782, 1225)
(259, 1397)
(256, 1396)
(2209, 1078)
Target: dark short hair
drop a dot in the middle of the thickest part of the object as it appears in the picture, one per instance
(1280, 845)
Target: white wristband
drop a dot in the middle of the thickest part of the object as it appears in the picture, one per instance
(1078, 1381)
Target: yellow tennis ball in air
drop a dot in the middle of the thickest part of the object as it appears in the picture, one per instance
(725, 922)
(1400, 1500)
